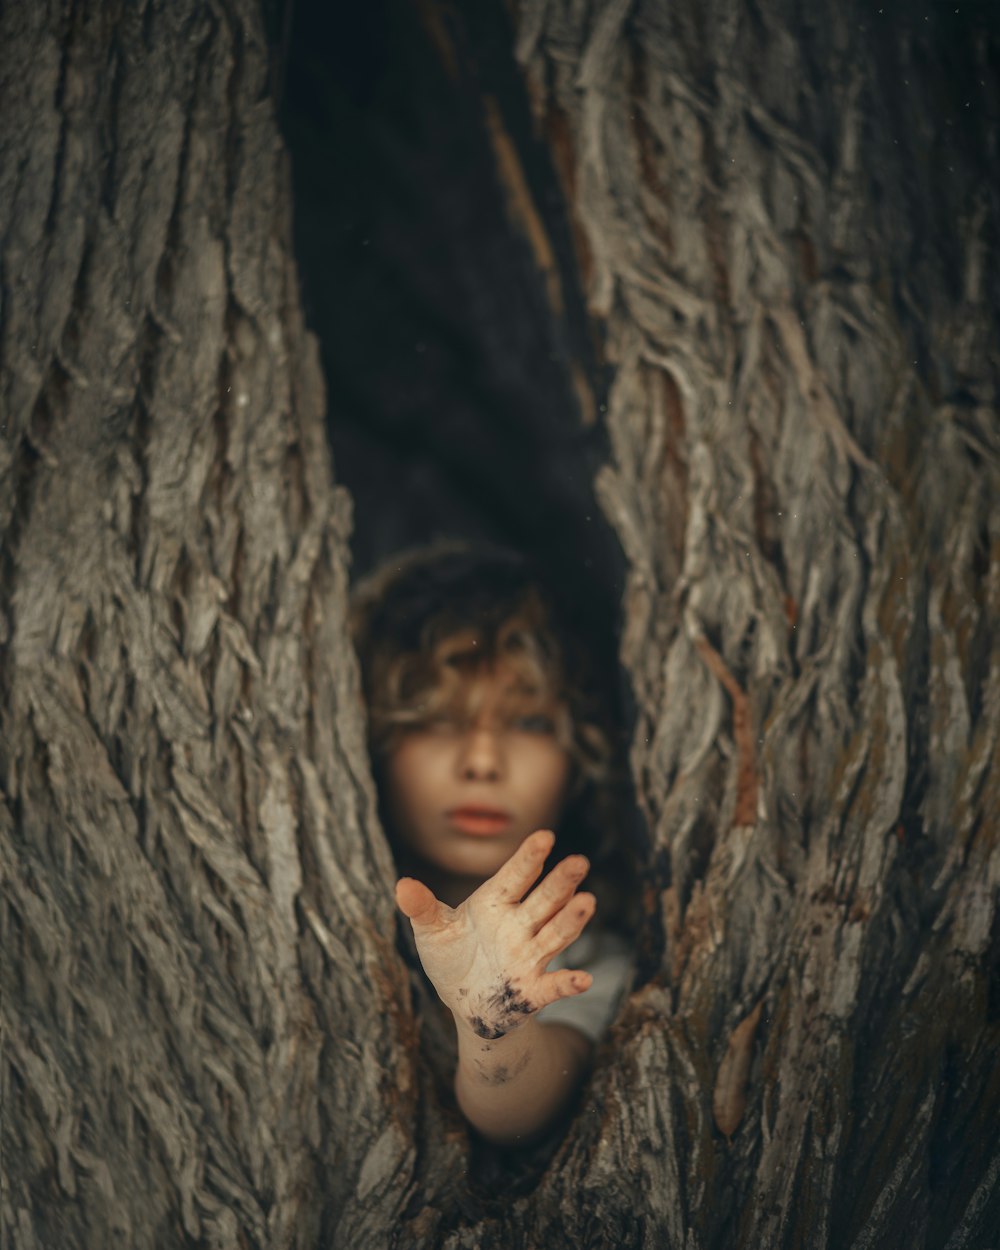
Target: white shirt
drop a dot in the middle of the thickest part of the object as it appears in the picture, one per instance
(607, 957)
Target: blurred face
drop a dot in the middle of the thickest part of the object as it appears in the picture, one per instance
(464, 791)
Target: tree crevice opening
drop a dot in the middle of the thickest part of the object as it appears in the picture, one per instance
(465, 379)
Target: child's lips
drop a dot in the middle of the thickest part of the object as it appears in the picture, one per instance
(481, 822)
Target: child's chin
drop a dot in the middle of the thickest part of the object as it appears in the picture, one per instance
(480, 856)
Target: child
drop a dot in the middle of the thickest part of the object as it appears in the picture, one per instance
(485, 746)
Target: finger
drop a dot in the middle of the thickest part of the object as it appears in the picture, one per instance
(418, 903)
(555, 891)
(520, 872)
(565, 983)
(565, 927)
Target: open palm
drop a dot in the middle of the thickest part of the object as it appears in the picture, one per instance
(487, 957)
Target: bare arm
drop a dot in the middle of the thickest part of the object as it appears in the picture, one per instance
(513, 1088)
(487, 959)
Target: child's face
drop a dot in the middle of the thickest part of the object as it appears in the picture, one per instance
(465, 791)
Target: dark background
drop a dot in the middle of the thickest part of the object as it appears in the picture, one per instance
(451, 404)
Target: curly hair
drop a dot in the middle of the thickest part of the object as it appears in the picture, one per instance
(438, 616)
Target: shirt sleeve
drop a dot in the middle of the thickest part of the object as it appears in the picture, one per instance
(606, 956)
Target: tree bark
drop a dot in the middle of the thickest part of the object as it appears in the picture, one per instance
(208, 1033)
(789, 262)
(202, 1004)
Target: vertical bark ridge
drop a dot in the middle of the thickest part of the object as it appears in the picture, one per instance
(764, 233)
(187, 815)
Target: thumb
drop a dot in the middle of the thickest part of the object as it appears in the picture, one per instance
(418, 903)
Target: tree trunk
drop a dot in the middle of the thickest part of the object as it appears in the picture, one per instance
(795, 273)
(208, 1033)
(202, 999)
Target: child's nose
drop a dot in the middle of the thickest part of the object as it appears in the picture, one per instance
(481, 757)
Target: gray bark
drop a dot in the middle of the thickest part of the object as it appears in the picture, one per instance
(186, 801)
(797, 280)
(207, 1032)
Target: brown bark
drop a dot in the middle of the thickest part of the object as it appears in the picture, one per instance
(186, 796)
(207, 1034)
(805, 483)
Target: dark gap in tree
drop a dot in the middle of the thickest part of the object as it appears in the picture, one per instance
(453, 362)
(451, 407)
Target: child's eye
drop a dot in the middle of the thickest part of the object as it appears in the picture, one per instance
(442, 723)
(537, 724)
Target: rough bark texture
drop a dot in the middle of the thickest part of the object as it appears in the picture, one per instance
(794, 259)
(207, 1036)
(200, 986)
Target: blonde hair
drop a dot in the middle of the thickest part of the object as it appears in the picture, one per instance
(435, 619)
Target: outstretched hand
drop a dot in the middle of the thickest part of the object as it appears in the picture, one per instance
(487, 957)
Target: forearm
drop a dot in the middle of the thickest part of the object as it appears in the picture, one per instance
(512, 1088)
